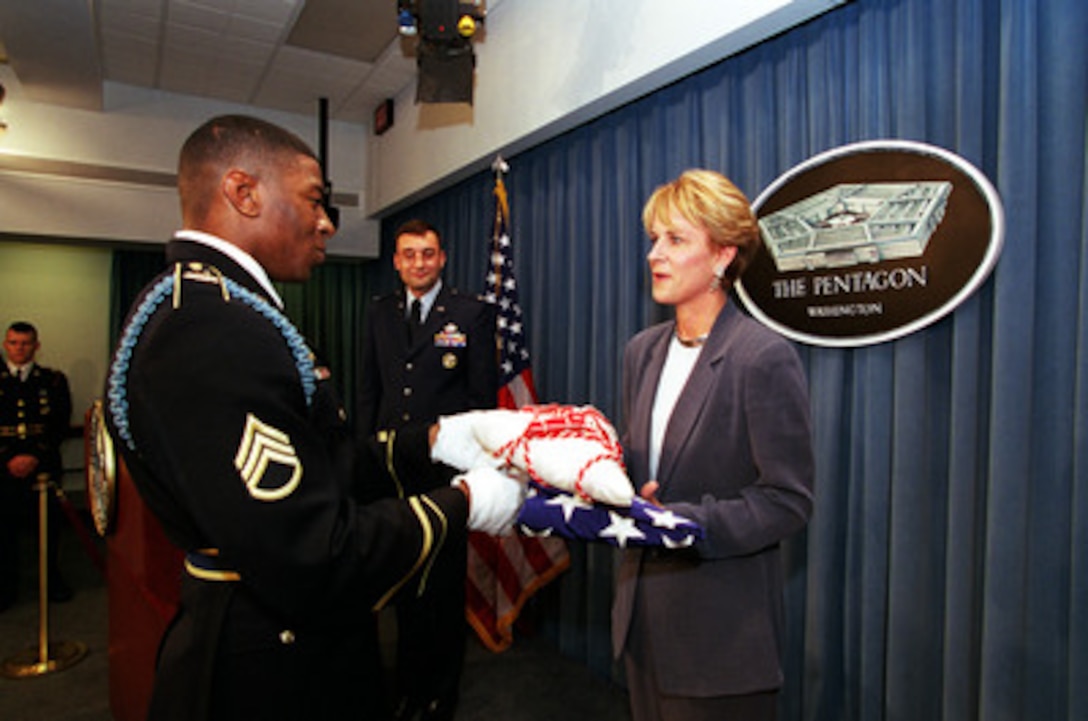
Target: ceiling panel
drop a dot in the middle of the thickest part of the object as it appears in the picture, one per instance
(357, 30)
(279, 54)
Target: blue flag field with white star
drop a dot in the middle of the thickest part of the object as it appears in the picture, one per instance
(551, 512)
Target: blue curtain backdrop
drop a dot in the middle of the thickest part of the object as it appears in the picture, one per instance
(945, 571)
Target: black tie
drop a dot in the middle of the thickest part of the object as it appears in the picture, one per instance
(416, 320)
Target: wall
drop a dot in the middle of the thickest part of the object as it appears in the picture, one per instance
(65, 292)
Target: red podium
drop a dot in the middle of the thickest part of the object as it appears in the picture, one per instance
(143, 579)
(143, 571)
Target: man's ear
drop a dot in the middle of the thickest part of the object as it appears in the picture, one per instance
(240, 190)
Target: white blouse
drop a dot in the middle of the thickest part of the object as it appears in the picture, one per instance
(674, 376)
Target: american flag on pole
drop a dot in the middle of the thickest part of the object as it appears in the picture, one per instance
(505, 571)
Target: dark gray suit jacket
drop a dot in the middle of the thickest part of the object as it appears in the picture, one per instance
(737, 458)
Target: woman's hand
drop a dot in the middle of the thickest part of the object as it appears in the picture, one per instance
(648, 492)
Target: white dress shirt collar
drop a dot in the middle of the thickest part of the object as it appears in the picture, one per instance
(427, 299)
(20, 372)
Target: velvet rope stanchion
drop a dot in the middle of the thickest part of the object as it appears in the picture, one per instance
(47, 656)
(85, 538)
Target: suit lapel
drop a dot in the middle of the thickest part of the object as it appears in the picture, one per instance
(397, 324)
(689, 407)
(695, 396)
(643, 404)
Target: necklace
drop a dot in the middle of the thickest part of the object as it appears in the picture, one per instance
(692, 342)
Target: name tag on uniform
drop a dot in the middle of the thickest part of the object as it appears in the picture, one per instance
(450, 337)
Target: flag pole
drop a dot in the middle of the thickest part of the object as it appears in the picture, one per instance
(499, 167)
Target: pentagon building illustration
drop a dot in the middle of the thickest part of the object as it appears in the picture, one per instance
(850, 224)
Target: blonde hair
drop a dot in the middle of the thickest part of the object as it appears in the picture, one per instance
(711, 201)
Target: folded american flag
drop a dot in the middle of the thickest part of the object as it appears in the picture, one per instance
(549, 511)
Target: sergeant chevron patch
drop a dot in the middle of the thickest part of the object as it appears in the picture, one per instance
(267, 461)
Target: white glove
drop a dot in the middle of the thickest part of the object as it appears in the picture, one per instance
(456, 444)
(494, 499)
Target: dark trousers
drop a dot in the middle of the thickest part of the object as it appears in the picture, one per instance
(431, 631)
(226, 657)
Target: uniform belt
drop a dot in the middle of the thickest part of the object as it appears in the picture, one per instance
(23, 430)
(205, 564)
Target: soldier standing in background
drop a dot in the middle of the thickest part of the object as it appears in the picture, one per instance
(35, 410)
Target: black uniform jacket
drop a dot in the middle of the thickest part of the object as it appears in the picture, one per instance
(34, 417)
(450, 368)
(231, 439)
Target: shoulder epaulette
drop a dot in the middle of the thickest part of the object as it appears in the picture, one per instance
(200, 273)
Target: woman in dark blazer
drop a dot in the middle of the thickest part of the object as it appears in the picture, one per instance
(718, 430)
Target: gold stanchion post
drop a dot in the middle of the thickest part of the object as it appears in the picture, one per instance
(47, 656)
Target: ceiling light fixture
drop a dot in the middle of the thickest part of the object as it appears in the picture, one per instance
(444, 55)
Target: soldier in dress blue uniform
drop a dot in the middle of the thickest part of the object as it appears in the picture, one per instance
(418, 368)
(229, 430)
(35, 410)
